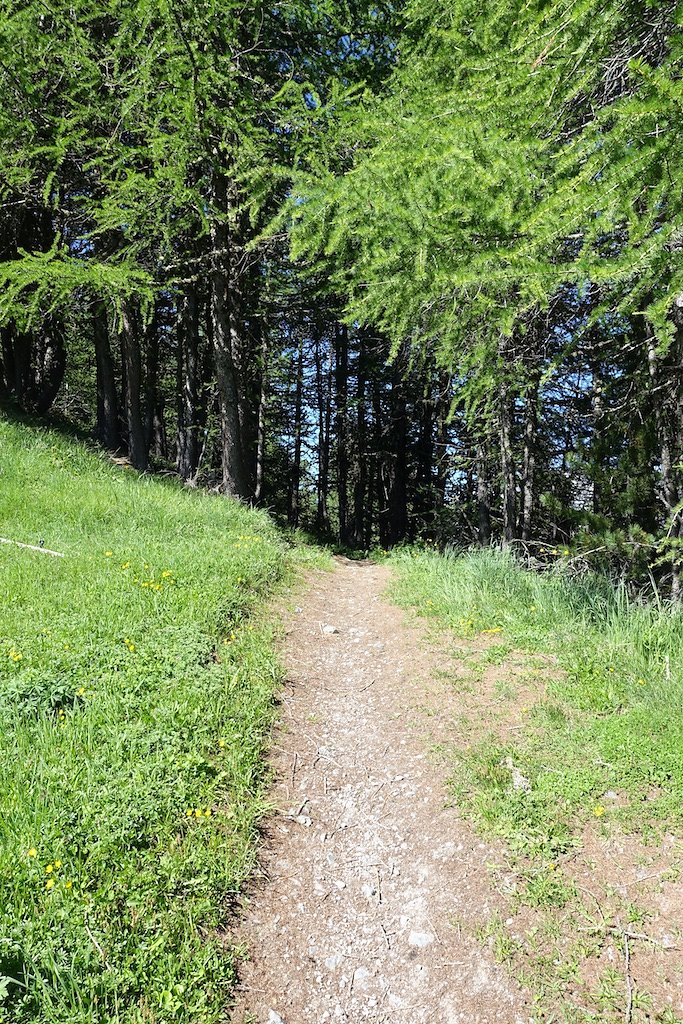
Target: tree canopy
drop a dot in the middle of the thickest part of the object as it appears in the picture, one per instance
(394, 270)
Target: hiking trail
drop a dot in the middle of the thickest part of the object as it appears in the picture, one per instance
(367, 876)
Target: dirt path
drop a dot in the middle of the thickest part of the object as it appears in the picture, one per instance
(367, 875)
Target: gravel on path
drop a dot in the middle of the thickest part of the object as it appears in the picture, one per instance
(369, 882)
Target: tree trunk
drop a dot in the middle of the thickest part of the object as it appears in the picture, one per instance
(188, 386)
(398, 505)
(261, 427)
(295, 475)
(483, 507)
(223, 326)
(670, 485)
(382, 476)
(155, 434)
(424, 455)
(323, 389)
(529, 458)
(22, 345)
(507, 465)
(361, 472)
(442, 463)
(107, 402)
(341, 400)
(8, 368)
(132, 363)
(48, 365)
(598, 412)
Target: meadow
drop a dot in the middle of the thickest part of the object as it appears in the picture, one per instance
(606, 721)
(136, 692)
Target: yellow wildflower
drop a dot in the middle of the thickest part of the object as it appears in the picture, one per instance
(32, 852)
(80, 691)
(207, 812)
(108, 554)
(68, 885)
(221, 743)
(641, 682)
(198, 812)
(598, 810)
(50, 883)
(58, 863)
(49, 869)
(125, 565)
(166, 574)
(189, 812)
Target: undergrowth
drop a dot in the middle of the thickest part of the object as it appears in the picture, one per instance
(606, 741)
(136, 686)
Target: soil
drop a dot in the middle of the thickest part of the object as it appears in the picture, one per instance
(371, 884)
(375, 900)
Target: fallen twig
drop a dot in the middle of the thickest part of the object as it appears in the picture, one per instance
(32, 547)
(96, 943)
(628, 1012)
(645, 938)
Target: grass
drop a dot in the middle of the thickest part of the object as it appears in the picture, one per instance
(580, 693)
(609, 723)
(136, 693)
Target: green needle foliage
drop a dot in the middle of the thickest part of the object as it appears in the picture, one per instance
(519, 149)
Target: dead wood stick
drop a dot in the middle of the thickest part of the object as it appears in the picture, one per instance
(628, 1012)
(32, 547)
(96, 943)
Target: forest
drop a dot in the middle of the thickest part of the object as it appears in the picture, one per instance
(341, 511)
(394, 271)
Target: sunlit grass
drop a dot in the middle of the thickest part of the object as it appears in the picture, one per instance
(136, 683)
(609, 722)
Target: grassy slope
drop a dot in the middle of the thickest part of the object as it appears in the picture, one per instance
(135, 694)
(611, 721)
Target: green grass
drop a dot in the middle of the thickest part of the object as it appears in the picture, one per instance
(136, 693)
(610, 722)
